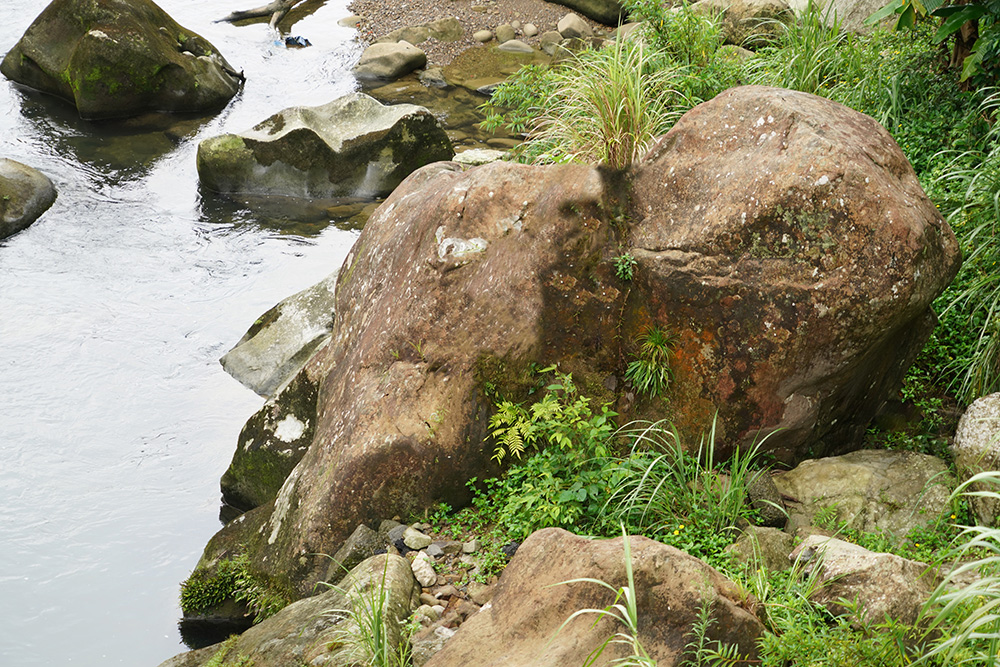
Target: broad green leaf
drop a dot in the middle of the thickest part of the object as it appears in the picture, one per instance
(954, 22)
(894, 7)
(907, 19)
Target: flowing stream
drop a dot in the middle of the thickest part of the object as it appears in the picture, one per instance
(116, 419)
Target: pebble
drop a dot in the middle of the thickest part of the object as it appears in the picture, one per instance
(471, 547)
(505, 33)
(423, 570)
(482, 36)
(416, 540)
(446, 591)
(530, 30)
(428, 599)
(515, 46)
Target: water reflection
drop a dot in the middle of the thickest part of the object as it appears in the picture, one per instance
(287, 215)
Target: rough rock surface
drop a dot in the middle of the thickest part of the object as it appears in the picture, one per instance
(748, 22)
(849, 15)
(763, 546)
(519, 626)
(882, 584)
(389, 60)
(113, 58)
(787, 242)
(782, 237)
(310, 631)
(25, 193)
(871, 490)
(282, 339)
(351, 146)
(977, 449)
(445, 30)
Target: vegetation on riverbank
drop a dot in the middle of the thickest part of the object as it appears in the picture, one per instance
(577, 471)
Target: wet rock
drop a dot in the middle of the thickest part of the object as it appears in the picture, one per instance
(389, 60)
(883, 585)
(351, 21)
(113, 59)
(433, 77)
(519, 626)
(976, 449)
(869, 490)
(351, 146)
(571, 26)
(281, 340)
(515, 46)
(25, 193)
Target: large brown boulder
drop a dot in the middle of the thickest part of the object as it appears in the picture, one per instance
(521, 626)
(113, 58)
(783, 238)
(787, 242)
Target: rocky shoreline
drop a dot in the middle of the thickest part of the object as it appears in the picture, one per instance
(375, 20)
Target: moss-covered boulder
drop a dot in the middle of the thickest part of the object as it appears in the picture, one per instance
(353, 146)
(25, 194)
(112, 58)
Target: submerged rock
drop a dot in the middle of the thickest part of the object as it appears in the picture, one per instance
(523, 624)
(25, 193)
(112, 58)
(352, 146)
(389, 60)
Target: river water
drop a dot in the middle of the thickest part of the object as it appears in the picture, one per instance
(116, 419)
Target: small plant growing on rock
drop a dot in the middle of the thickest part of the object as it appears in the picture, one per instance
(625, 266)
(650, 373)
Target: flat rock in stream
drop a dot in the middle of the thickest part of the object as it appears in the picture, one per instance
(352, 146)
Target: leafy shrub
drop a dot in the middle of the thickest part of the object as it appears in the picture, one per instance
(233, 579)
(650, 372)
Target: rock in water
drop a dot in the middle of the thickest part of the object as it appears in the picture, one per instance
(113, 58)
(352, 146)
(25, 194)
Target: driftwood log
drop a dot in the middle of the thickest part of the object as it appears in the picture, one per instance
(276, 9)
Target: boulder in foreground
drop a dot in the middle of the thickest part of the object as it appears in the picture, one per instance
(521, 626)
(352, 146)
(113, 58)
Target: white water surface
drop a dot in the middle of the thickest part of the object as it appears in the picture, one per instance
(116, 419)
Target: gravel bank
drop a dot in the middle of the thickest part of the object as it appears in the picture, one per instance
(380, 17)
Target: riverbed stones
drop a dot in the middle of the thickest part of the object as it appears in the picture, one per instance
(25, 193)
(870, 491)
(112, 58)
(977, 449)
(282, 339)
(530, 30)
(389, 60)
(353, 146)
(444, 30)
(482, 36)
(786, 241)
(523, 623)
(505, 33)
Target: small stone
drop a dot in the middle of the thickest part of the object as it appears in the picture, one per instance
(428, 599)
(550, 37)
(426, 614)
(515, 46)
(439, 608)
(471, 547)
(477, 156)
(423, 570)
(530, 30)
(416, 540)
(351, 21)
(449, 547)
(482, 36)
(466, 608)
(480, 593)
(571, 26)
(516, 25)
(433, 77)
(434, 551)
(505, 33)
(446, 591)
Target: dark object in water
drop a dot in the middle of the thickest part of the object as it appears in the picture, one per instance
(297, 41)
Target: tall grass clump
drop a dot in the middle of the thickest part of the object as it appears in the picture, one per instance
(602, 106)
(966, 616)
